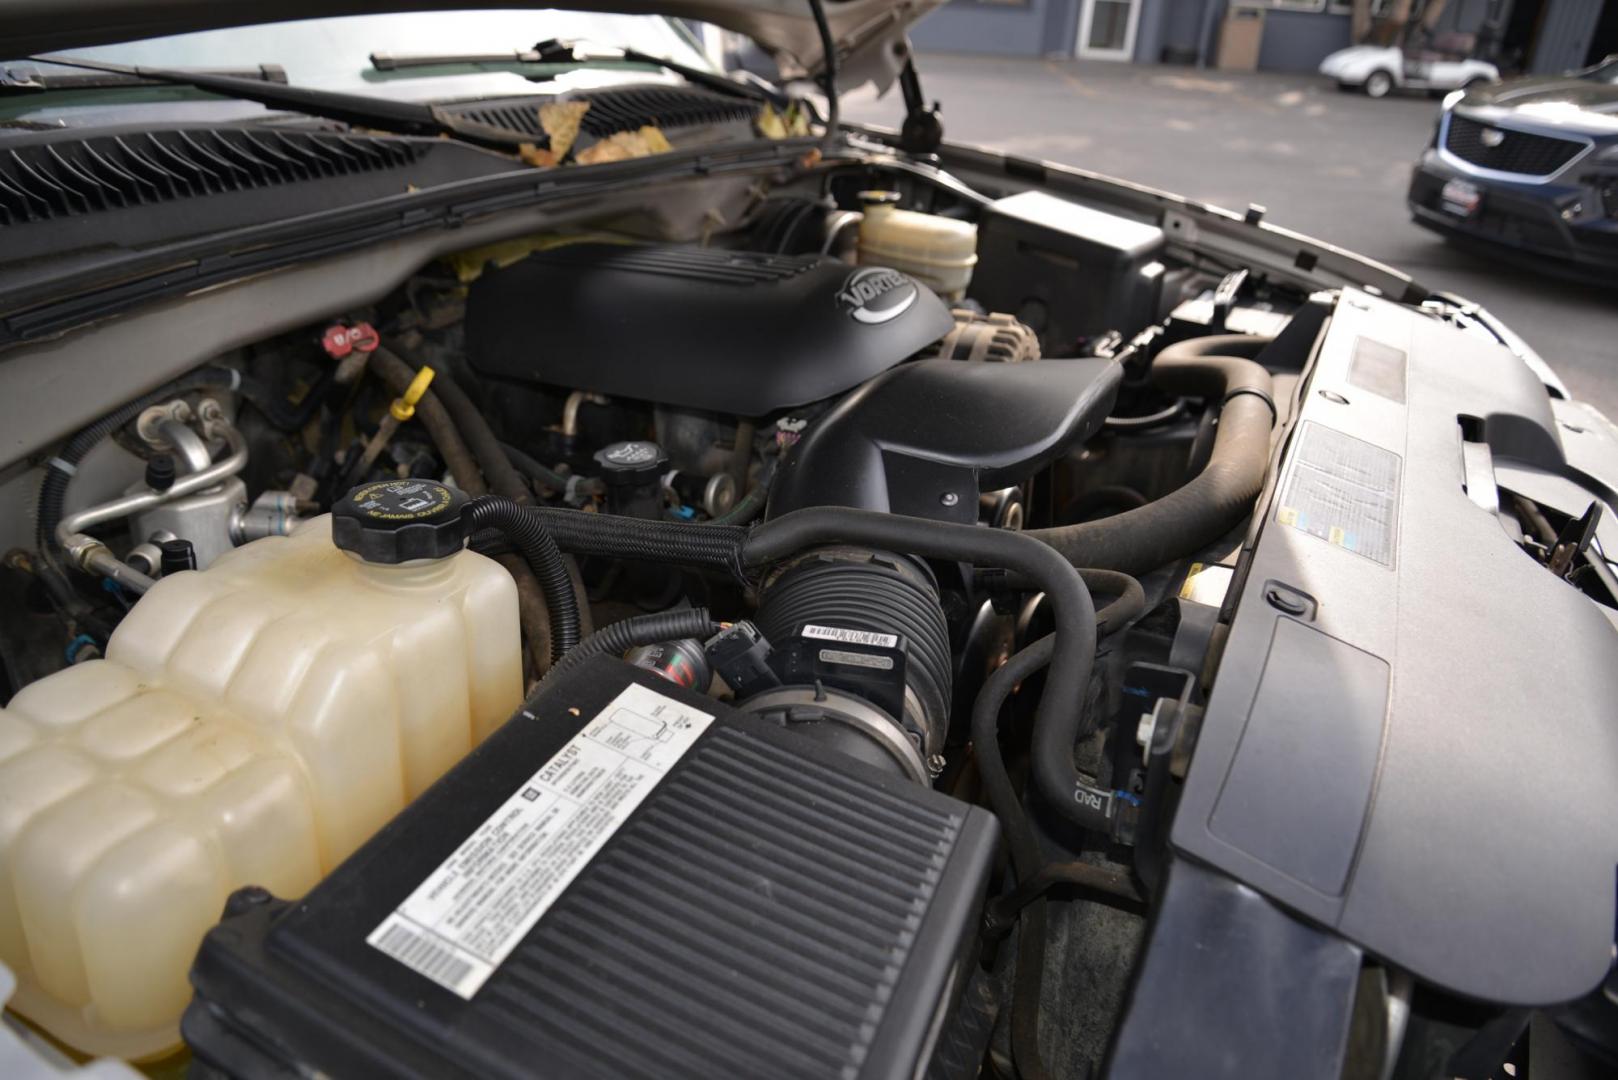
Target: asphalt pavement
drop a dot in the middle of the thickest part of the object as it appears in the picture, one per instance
(1324, 163)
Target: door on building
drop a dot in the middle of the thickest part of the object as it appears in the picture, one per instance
(1107, 29)
(1566, 31)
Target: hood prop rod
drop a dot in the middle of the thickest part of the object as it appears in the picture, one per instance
(828, 69)
(923, 129)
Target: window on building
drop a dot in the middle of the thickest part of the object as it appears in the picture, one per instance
(1333, 7)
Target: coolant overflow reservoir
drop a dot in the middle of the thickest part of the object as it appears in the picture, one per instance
(937, 251)
(251, 724)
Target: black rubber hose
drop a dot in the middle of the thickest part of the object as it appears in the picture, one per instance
(545, 476)
(747, 508)
(620, 637)
(544, 559)
(1128, 605)
(1216, 499)
(1034, 876)
(502, 477)
(1024, 847)
(750, 505)
(1061, 716)
(397, 375)
(713, 547)
(463, 468)
(1111, 882)
(828, 48)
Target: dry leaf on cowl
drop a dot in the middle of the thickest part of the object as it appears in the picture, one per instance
(537, 156)
(625, 145)
(560, 120)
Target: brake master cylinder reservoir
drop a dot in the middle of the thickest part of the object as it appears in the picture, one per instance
(937, 251)
(251, 724)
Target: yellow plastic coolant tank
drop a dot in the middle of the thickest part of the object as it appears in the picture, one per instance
(937, 251)
(252, 724)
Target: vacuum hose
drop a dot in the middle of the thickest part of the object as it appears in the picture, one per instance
(1216, 499)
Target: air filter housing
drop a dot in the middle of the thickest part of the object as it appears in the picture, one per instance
(627, 880)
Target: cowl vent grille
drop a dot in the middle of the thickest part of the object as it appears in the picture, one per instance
(112, 172)
(627, 109)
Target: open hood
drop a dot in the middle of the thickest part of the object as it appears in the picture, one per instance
(869, 33)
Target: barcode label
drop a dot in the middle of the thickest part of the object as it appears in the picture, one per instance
(851, 637)
(421, 953)
(470, 912)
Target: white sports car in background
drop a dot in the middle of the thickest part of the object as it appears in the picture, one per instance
(1378, 69)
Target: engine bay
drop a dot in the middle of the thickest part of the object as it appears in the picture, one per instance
(763, 535)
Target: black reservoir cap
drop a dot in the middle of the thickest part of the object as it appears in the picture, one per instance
(395, 521)
(633, 462)
(177, 556)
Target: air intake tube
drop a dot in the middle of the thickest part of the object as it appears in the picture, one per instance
(861, 649)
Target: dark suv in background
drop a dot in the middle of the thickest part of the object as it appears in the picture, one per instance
(1530, 164)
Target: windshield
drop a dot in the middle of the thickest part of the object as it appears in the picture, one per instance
(334, 54)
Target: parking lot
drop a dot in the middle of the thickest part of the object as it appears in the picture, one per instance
(1325, 163)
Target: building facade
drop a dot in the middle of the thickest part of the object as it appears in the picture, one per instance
(1285, 35)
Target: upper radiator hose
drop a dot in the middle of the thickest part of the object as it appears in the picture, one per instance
(1216, 499)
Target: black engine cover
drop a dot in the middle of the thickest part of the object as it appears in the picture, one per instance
(734, 332)
(926, 438)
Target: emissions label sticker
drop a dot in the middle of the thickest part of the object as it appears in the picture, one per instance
(851, 637)
(469, 914)
(1344, 491)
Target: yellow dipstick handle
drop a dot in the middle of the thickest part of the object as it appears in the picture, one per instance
(404, 406)
(402, 409)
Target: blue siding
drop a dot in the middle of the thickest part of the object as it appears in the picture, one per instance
(1565, 31)
(1176, 23)
(1006, 29)
(1293, 40)
(1300, 40)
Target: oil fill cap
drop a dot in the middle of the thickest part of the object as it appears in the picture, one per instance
(396, 521)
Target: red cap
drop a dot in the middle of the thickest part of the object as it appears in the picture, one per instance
(340, 340)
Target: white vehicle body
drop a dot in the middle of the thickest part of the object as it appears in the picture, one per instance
(1379, 69)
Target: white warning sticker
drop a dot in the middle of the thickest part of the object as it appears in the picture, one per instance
(469, 914)
(851, 637)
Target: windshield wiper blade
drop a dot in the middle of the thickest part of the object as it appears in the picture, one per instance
(382, 61)
(30, 80)
(566, 54)
(400, 117)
